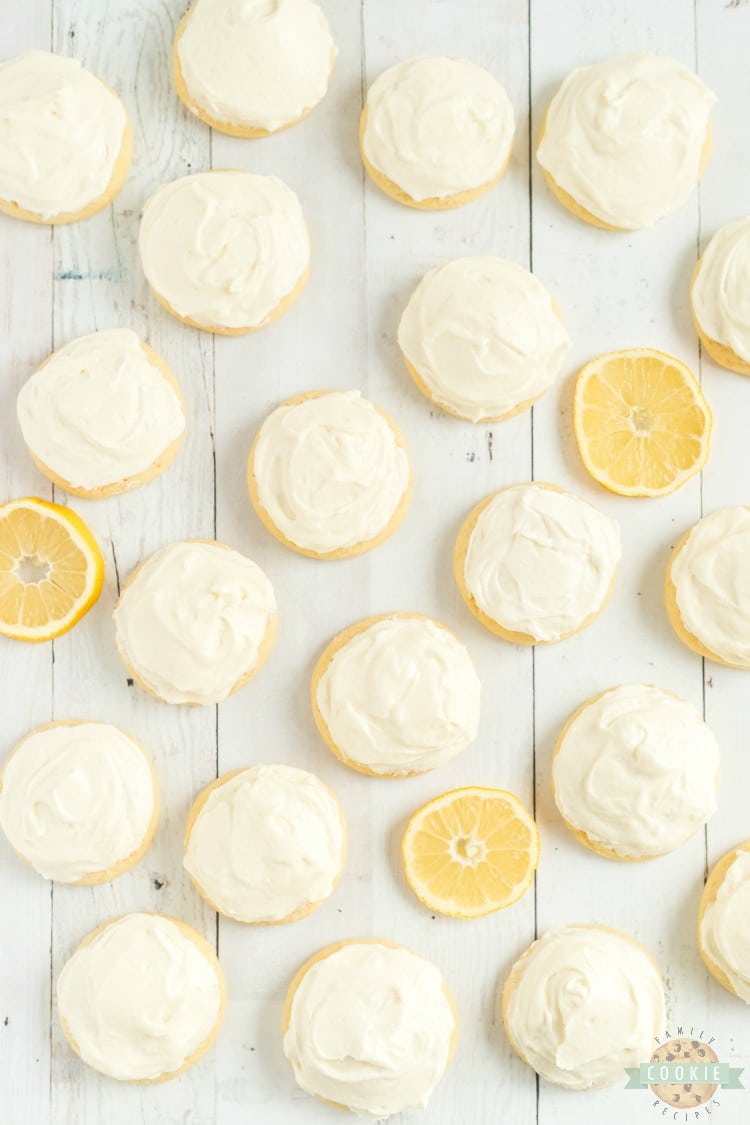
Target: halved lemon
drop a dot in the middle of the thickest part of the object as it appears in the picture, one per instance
(641, 421)
(471, 851)
(51, 569)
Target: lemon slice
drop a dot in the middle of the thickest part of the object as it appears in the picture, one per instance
(51, 569)
(641, 422)
(470, 852)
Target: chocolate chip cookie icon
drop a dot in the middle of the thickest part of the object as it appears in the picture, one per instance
(685, 1095)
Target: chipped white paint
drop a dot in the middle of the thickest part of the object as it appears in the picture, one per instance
(368, 253)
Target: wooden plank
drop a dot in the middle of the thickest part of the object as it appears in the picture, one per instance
(726, 480)
(455, 465)
(99, 284)
(321, 342)
(616, 291)
(25, 670)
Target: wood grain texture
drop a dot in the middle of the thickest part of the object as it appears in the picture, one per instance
(368, 253)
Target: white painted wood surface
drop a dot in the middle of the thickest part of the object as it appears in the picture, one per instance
(614, 291)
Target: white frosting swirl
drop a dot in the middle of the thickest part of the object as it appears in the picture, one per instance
(224, 248)
(99, 411)
(370, 1028)
(329, 471)
(61, 132)
(711, 576)
(587, 1005)
(637, 771)
(192, 620)
(725, 926)
(401, 696)
(268, 842)
(721, 290)
(625, 137)
(76, 799)
(256, 63)
(437, 126)
(484, 337)
(139, 998)
(541, 561)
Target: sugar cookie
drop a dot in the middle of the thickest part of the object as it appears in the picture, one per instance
(251, 69)
(102, 415)
(142, 998)
(79, 801)
(65, 139)
(719, 297)
(624, 141)
(329, 475)
(535, 563)
(389, 1053)
(265, 844)
(582, 1004)
(195, 622)
(396, 695)
(436, 132)
(707, 589)
(225, 251)
(635, 772)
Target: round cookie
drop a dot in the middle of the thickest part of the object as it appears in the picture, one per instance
(195, 622)
(396, 1066)
(250, 263)
(396, 695)
(718, 297)
(102, 415)
(249, 70)
(635, 773)
(435, 132)
(706, 591)
(65, 140)
(502, 545)
(328, 474)
(265, 844)
(79, 801)
(482, 338)
(159, 1004)
(637, 157)
(725, 906)
(618, 991)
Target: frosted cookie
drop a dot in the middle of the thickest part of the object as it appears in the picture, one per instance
(624, 141)
(482, 338)
(225, 251)
(708, 587)
(65, 140)
(79, 801)
(195, 622)
(635, 772)
(720, 297)
(724, 922)
(436, 132)
(104, 414)
(328, 474)
(251, 68)
(536, 564)
(582, 1004)
(265, 844)
(395, 696)
(369, 1026)
(142, 998)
